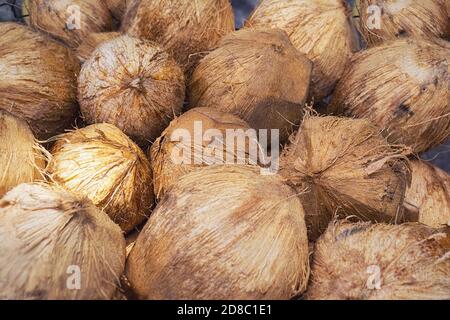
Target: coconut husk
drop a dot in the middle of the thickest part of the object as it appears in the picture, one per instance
(59, 18)
(366, 261)
(117, 8)
(186, 29)
(403, 87)
(321, 29)
(49, 238)
(392, 19)
(235, 78)
(37, 80)
(133, 84)
(103, 164)
(91, 42)
(344, 167)
(223, 232)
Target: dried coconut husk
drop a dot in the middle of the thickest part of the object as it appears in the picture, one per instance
(49, 237)
(321, 29)
(117, 7)
(37, 80)
(133, 84)
(403, 87)
(60, 18)
(257, 75)
(186, 29)
(344, 167)
(428, 197)
(406, 262)
(223, 232)
(384, 20)
(103, 164)
(91, 42)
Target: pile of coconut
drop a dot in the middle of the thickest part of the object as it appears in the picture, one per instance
(151, 151)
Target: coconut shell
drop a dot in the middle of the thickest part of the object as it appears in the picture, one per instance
(366, 261)
(321, 29)
(403, 87)
(345, 167)
(37, 80)
(103, 164)
(48, 237)
(428, 197)
(186, 29)
(223, 232)
(133, 84)
(59, 18)
(235, 78)
(91, 42)
(117, 7)
(400, 18)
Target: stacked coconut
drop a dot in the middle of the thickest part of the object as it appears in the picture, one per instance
(185, 160)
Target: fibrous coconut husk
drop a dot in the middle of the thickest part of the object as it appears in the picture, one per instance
(117, 7)
(223, 232)
(69, 21)
(37, 80)
(384, 20)
(103, 164)
(403, 87)
(133, 84)
(366, 261)
(56, 245)
(186, 29)
(321, 29)
(257, 75)
(344, 167)
(92, 41)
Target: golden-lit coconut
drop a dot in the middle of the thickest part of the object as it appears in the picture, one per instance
(367, 261)
(344, 167)
(257, 75)
(91, 42)
(69, 21)
(133, 84)
(428, 198)
(402, 86)
(383, 20)
(103, 164)
(37, 80)
(56, 245)
(186, 29)
(223, 232)
(322, 29)
(117, 7)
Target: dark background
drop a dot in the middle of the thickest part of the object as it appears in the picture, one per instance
(440, 156)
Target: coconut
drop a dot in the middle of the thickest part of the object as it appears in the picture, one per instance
(92, 41)
(403, 87)
(428, 197)
(185, 28)
(103, 164)
(69, 21)
(117, 7)
(56, 245)
(235, 78)
(133, 84)
(345, 167)
(222, 232)
(37, 80)
(321, 29)
(366, 261)
(383, 20)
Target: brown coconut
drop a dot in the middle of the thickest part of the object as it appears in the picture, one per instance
(366, 261)
(428, 198)
(257, 75)
(402, 86)
(91, 42)
(133, 84)
(52, 241)
(186, 29)
(344, 167)
(384, 20)
(103, 164)
(69, 21)
(223, 232)
(37, 80)
(321, 29)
